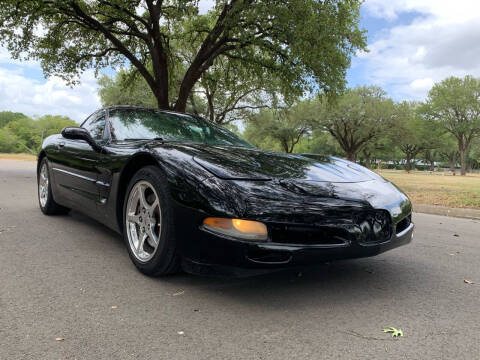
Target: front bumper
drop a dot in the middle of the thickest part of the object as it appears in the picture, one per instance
(211, 254)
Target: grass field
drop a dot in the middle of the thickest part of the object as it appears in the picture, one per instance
(18, 157)
(438, 188)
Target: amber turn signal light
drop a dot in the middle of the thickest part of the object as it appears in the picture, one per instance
(238, 228)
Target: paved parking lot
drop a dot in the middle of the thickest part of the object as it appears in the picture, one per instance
(69, 277)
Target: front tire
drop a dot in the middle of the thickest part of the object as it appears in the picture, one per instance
(148, 228)
(45, 196)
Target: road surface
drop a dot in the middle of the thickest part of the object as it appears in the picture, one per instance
(69, 277)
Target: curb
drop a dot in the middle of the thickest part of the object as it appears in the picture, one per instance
(447, 211)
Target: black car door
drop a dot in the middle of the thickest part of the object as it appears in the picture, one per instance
(75, 167)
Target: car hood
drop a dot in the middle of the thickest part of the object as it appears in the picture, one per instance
(237, 163)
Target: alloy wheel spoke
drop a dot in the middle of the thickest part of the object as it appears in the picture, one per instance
(141, 241)
(151, 208)
(142, 199)
(151, 236)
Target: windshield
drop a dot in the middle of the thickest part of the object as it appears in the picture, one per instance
(146, 124)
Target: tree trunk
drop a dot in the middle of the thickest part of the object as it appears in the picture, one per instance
(367, 162)
(463, 159)
(451, 162)
(161, 95)
(432, 165)
(352, 155)
(407, 163)
(211, 109)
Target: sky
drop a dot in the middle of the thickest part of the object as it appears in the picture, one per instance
(411, 45)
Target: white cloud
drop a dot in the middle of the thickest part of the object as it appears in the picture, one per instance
(20, 93)
(205, 5)
(440, 41)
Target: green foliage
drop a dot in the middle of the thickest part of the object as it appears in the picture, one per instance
(302, 44)
(359, 117)
(119, 90)
(454, 104)
(7, 116)
(23, 134)
(9, 142)
(319, 142)
(281, 128)
(412, 133)
(474, 154)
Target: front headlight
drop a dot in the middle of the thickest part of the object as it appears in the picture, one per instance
(237, 228)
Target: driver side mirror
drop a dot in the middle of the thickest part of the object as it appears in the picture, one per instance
(79, 133)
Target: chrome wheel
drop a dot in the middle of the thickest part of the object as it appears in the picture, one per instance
(143, 218)
(43, 185)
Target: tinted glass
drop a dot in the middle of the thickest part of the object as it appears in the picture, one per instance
(128, 124)
(95, 125)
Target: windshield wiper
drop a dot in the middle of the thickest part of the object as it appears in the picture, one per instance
(144, 139)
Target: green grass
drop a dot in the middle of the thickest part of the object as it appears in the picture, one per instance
(438, 188)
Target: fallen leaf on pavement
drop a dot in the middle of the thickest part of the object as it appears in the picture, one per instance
(395, 332)
(456, 235)
(59, 339)
(469, 282)
(114, 306)
(180, 333)
(181, 292)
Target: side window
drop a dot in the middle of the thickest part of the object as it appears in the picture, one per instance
(95, 125)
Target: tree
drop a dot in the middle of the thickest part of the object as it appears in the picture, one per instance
(305, 44)
(358, 117)
(225, 92)
(319, 142)
(376, 147)
(448, 151)
(286, 127)
(26, 135)
(7, 116)
(412, 132)
(454, 103)
(232, 93)
(26, 130)
(9, 142)
(122, 90)
(52, 124)
(430, 156)
(475, 154)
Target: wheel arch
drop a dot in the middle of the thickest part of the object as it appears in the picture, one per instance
(133, 165)
(40, 157)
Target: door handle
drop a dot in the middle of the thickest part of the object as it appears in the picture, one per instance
(61, 144)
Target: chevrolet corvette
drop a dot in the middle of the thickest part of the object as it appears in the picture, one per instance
(187, 194)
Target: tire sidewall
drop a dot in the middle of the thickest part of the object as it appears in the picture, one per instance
(166, 246)
(48, 205)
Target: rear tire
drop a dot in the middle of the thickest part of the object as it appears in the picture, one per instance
(148, 228)
(45, 196)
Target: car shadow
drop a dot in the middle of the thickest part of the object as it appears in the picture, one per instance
(343, 282)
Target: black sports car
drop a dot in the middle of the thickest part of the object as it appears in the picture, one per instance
(187, 193)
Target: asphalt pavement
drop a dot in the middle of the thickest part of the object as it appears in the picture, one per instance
(69, 291)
